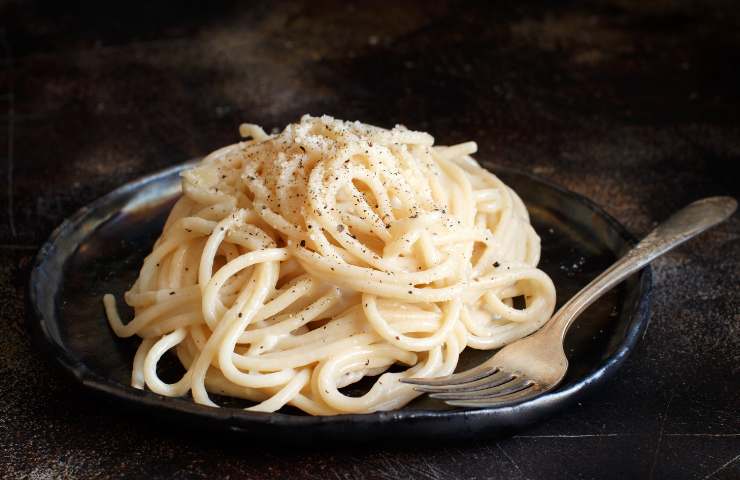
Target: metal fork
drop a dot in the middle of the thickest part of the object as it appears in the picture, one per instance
(536, 364)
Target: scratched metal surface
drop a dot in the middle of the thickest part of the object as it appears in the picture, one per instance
(634, 106)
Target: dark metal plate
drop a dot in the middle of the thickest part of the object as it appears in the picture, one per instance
(101, 247)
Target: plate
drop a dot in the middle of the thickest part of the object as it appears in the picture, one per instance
(100, 249)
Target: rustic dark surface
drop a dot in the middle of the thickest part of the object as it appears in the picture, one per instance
(635, 106)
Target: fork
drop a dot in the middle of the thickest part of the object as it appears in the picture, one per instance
(537, 363)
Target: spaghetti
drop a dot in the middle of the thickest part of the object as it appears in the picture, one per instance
(298, 263)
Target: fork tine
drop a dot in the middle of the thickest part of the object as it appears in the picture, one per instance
(498, 401)
(499, 390)
(470, 375)
(492, 380)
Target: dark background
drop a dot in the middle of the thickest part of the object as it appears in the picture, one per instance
(633, 104)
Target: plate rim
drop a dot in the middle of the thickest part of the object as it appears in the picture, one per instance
(239, 419)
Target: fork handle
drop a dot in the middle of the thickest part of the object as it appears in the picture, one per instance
(681, 226)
